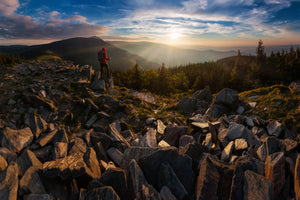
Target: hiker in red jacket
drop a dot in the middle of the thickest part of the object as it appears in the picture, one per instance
(102, 58)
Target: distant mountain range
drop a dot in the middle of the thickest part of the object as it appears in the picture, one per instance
(82, 51)
(170, 55)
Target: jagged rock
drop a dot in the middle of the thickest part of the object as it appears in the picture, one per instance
(226, 173)
(227, 97)
(77, 145)
(275, 172)
(70, 166)
(208, 180)
(9, 182)
(163, 144)
(137, 153)
(208, 141)
(257, 187)
(16, 140)
(90, 158)
(160, 127)
(240, 144)
(103, 193)
(289, 144)
(149, 139)
(204, 125)
(273, 145)
(258, 131)
(60, 150)
(262, 152)
(236, 131)
(53, 137)
(116, 178)
(136, 178)
(31, 182)
(44, 154)
(194, 151)
(187, 105)
(101, 137)
(36, 123)
(166, 194)
(173, 133)
(242, 164)
(116, 135)
(275, 128)
(181, 164)
(185, 140)
(38, 197)
(27, 160)
(167, 177)
(7, 154)
(226, 153)
(223, 138)
(128, 135)
(139, 185)
(101, 154)
(115, 155)
(148, 193)
(3, 164)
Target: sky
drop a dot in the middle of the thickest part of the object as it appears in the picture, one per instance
(174, 22)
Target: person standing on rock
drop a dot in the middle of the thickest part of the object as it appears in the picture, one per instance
(102, 58)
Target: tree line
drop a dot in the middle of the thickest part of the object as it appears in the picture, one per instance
(6, 59)
(238, 72)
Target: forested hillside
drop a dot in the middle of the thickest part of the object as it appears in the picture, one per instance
(238, 72)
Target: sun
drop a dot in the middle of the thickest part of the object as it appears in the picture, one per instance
(174, 36)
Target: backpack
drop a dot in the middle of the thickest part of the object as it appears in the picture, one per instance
(101, 56)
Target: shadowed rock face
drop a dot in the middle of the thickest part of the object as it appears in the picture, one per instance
(65, 137)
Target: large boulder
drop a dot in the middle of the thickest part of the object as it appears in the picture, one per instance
(116, 178)
(275, 172)
(167, 177)
(187, 105)
(256, 186)
(242, 164)
(227, 97)
(181, 164)
(208, 180)
(16, 140)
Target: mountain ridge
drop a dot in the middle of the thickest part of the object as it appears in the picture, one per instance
(82, 51)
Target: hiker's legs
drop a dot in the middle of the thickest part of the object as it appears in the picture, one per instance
(107, 70)
(101, 70)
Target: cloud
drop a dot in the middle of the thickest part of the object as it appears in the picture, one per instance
(53, 26)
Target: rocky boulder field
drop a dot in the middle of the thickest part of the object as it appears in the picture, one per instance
(67, 134)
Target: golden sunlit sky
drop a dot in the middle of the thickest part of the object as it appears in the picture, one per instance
(175, 22)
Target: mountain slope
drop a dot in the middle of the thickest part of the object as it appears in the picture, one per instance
(82, 51)
(169, 55)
